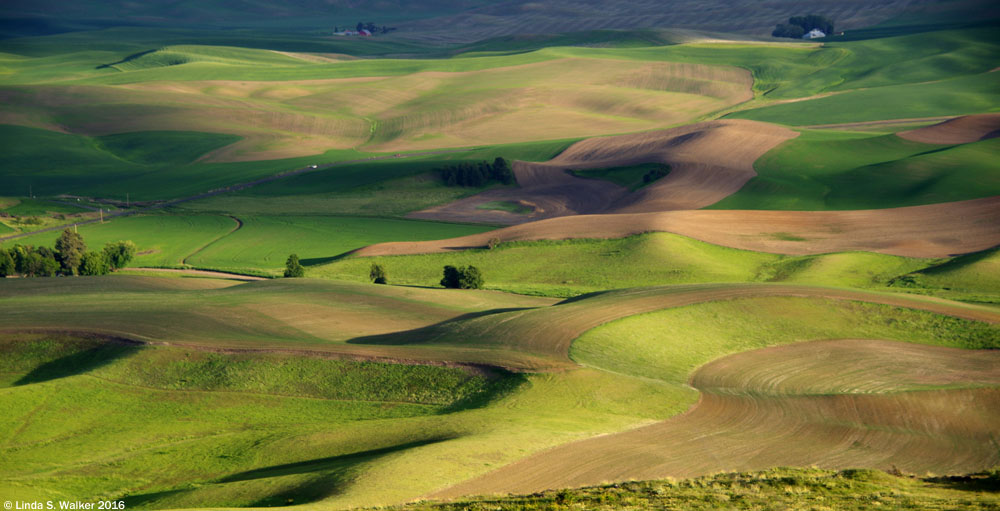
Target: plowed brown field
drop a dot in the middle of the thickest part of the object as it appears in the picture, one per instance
(961, 130)
(708, 160)
(750, 417)
(935, 230)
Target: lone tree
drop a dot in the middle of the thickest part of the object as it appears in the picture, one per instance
(465, 277)
(119, 254)
(293, 268)
(377, 274)
(69, 250)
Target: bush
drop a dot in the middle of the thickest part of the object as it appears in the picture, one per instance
(119, 254)
(94, 263)
(292, 267)
(377, 274)
(465, 277)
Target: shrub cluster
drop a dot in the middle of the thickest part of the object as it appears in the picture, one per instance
(480, 174)
(799, 26)
(70, 257)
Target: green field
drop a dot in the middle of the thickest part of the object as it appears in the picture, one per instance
(573, 267)
(161, 240)
(253, 244)
(263, 242)
(833, 170)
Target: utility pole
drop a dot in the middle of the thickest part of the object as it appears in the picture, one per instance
(126, 199)
(102, 214)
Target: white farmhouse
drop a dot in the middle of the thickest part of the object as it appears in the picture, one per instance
(814, 34)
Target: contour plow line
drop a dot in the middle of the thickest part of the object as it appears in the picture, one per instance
(935, 230)
(708, 160)
(810, 419)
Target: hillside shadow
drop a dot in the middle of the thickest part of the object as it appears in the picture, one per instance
(321, 478)
(426, 333)
(80, 362)
(331, 462)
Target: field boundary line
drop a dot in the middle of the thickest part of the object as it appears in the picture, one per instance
(239, 225)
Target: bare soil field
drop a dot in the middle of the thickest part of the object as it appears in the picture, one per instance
(748, 418)
(708, 161)
(960, 130)
(935, 230)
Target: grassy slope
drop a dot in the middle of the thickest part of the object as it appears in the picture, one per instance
(345, 451)
(828, 170)
(669, 345)
(955, 96)
(568, 268)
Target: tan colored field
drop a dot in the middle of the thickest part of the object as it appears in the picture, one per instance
(708, 161)
(935, 230)
(961, 130)
(558, 98)
(751, 417)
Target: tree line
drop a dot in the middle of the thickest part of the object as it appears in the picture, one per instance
(478, 174)
(799, 26)
(69, 257)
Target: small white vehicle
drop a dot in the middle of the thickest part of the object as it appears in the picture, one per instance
(313, 166)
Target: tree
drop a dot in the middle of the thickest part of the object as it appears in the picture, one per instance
(119, 254)
(293, 268)
(466, 277)
(70, 248)
(470, 278)
(7, 265)
(94, 263)
(450, 279)
(377, 274)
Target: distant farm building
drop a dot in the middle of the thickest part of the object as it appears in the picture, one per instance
(814, 34)
(361, 33)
